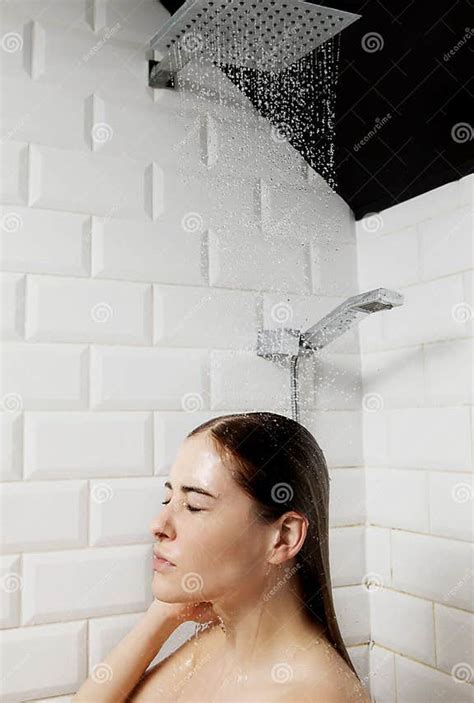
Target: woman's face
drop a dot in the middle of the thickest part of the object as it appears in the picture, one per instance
(216, 550)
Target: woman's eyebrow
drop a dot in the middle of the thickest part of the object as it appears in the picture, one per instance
(193, 489)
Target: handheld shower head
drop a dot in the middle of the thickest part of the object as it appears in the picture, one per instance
(284, 344)
(345, 315)
(268, 35)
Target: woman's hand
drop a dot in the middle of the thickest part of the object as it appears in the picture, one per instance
(177, 613)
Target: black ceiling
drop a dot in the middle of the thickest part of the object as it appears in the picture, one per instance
(405, 74)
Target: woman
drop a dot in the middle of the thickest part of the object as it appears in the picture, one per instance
(244, 535)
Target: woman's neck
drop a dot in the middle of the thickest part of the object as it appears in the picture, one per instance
(265, 626)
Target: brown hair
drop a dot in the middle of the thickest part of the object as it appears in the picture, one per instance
(281, 467)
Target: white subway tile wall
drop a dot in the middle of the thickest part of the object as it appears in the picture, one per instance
(417, 365)
(145, 238)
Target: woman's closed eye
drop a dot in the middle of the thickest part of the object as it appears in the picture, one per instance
(189, 507)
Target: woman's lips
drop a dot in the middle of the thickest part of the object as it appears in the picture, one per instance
(161, 564)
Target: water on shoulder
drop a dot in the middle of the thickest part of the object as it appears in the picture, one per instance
(304, 675)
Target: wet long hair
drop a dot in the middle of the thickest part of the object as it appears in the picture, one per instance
(280, 465)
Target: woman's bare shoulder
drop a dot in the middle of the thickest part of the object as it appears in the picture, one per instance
(319, 674)
(331, 691)
(335, 682)
(317, 689)
(167, 678)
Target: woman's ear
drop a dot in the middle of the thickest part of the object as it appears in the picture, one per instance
(289, 537)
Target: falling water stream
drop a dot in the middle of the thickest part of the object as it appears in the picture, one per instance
(271, 124)
(298, 101)
(240, 79)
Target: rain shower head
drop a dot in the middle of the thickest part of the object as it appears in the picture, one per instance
(345, 315)
(267, 35)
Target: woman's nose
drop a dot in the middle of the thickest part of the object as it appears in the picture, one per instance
(161, 523)
(157, 526)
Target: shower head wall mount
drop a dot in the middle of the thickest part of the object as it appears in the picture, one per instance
(286, 346)
(267, 35)
(282, 345)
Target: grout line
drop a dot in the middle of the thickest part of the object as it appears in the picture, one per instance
(88, 513)
(433, 613)
(255, 291)
(324, 355)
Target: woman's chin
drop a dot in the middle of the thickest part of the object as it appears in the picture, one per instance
(165, 593)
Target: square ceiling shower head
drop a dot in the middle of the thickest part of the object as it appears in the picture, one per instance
(267, 35)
